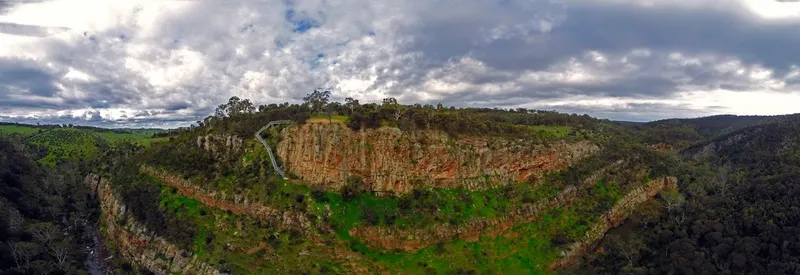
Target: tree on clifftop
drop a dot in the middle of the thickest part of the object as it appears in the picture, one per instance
(351, 104)
(318, 99)
(393, 109)
(234, 107)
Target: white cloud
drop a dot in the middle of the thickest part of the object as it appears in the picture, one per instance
(774, 9)
(177, 60)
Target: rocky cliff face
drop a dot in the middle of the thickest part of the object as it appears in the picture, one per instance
(392, 238)
(394, 161)
(701, 151)
(221, 145)
(136, 243)
(613, 218)
(236, 203)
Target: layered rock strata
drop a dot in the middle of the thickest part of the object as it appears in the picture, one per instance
(613, 218)
(238, 204)
(392, 161)
(136, 243)
(391, 238)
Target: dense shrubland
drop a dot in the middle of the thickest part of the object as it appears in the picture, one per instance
(259, 245)
(46, 215)
(337, 212)
(736, 210)
(740, 213)
(242, 117)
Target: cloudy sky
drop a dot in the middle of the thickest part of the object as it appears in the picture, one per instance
(169, 63)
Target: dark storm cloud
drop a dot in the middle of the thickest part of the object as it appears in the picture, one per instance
(178, 106)
(18, 75)
(638, 112)
(12, 104)
(618, 28)
(727, 31)
(656, 86)
(4, 6)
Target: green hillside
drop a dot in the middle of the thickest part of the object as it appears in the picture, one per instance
(187, 189)
(56, 143)
(67, 144)
(691, 196)
(739, 215)
(19, 129)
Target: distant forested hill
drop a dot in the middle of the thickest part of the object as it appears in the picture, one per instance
(741, 214)
(682, 133)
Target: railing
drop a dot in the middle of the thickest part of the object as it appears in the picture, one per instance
(269, 149)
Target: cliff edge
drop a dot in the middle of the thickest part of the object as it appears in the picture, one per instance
(394, 161)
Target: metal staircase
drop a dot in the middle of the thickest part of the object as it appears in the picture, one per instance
(269, 149)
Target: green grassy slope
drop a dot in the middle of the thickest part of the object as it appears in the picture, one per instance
(510, 229)
(67, 143)
(526, 247)
(24, 130)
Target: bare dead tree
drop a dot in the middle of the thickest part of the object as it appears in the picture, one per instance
(23, 252)
(722, 264)
(60, 252)
(672, 200)
(44, 232)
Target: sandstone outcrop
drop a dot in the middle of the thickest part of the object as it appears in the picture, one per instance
(237, 204)
(394, 161)
(391, 238)
(701, 151)
(221, 145)
(136, 243)
(613, 218)
(413, 240)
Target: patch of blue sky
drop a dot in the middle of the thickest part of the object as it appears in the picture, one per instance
(300, 24)
(316, 61)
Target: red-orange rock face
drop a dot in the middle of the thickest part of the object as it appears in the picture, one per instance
(396, 161)
(136, 243)
(237, 203)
